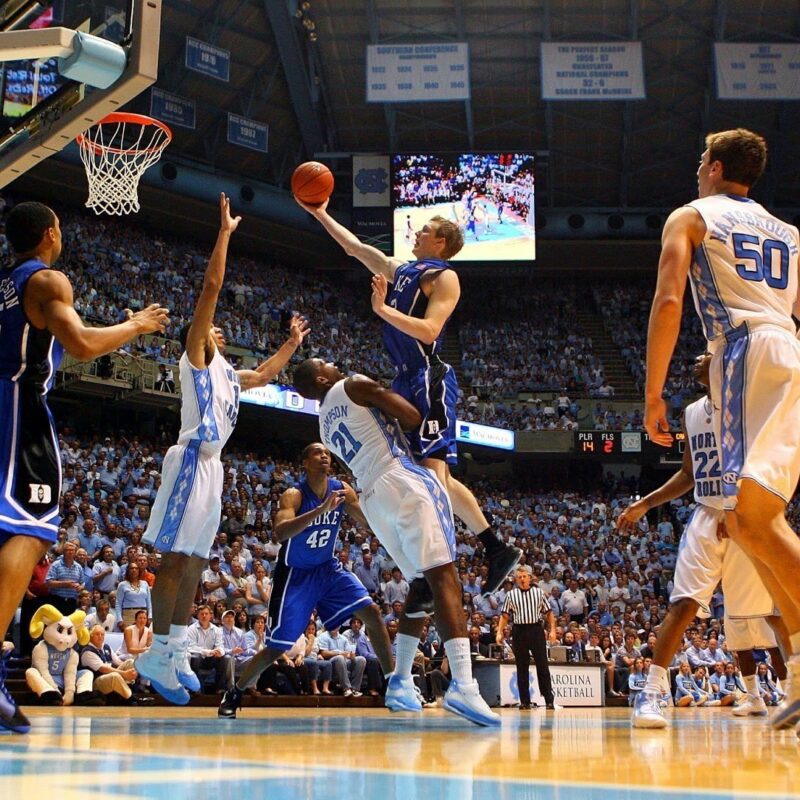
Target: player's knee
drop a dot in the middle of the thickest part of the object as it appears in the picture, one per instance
(684, 607)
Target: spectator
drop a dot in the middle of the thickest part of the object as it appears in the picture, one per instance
(769, 692)
(102, 616)
(207, 649)
(397, 589)
(348, 668)
(574, 603)
(65, 578)
(137, 638)
(257, 591)
(215, 581)
(318, 668)
(636, 680)
(106, 572)
(358, 638)
(133, 595)
(112, 675)
(687, 692)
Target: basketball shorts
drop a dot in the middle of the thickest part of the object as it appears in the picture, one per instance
(30, 465)
(296, 592)
(433, 391)
(704, 560)
(748, 634)
(755, 382)
(186, 514)
(409, 511)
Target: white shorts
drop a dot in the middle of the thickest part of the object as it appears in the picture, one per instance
(746, 634)
(409, 511)
(755, 383)
(704, 561)
(186, 514)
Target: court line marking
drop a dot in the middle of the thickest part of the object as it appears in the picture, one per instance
(305, 770)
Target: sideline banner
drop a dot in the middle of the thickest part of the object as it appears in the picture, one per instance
(572, 686)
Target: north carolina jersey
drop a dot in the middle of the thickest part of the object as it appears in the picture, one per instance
(363, 438)
(210, 403)
(30, 467)
(745, 269)
(405, 294)
(702, 441)
(314, 544)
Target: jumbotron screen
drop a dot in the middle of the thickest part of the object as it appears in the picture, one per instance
(489, 194)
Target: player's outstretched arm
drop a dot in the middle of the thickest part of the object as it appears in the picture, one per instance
(366, 392)
(270, 369)
(683, 232)
(441, 304)
(288, 524)
(50, 293)
(372, 258)
(353, 507)
(677, 486)
(212, 286)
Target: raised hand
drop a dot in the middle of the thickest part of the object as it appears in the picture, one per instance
(298, 329)
(227, 222)
(380, 288)
(313, 210)
(333, 500)
(153, 319)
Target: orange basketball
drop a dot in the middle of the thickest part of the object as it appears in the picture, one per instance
(312, 183)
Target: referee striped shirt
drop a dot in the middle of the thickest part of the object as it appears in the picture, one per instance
(528, 607)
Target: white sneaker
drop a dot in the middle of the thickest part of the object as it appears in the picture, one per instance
(159, 668)
(751, 707)
(402, 694)
(788, 713)
(186, 675)
(647, 711)
(465, 700)
(714, 703)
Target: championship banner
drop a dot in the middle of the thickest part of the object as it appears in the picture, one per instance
(757, 71)
(592, 71)
(371, 182)
(572, 686)
(404, 73)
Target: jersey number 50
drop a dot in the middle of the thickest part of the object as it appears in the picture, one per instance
(761, 256)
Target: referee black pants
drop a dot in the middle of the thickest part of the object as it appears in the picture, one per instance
(527, 641)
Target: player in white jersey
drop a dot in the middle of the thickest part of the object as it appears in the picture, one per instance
(408, 509)
(743, 267)
(706, 557)
(187, 509)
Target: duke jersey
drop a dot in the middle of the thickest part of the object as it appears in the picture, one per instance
(702, 443)
(314, 545)
(745, 269)
(364, 438)
(407, 353)
(30, 467)
(210, 403)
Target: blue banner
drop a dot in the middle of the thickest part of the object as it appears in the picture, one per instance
(207, 59)
(248, 133)
(172, 109)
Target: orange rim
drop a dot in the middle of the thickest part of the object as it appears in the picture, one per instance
(118, 117)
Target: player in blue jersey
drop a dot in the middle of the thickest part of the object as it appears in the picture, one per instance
(423, 296)
(38, 322)
(742, 265)
(308, 576)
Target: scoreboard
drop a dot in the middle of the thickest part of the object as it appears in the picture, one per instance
(618, 444)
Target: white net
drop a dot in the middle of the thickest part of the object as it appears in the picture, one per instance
(116, 152)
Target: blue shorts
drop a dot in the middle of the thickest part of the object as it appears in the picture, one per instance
(433, 391)
(296, 592)
(30, 464)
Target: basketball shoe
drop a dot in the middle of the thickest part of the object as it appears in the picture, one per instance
(751, 706)
(158, 666)
(402, 695)
(183, 668)
(465, 700)
(231, 702)
(647, 711)
(11, 717)
(788, 713)
(501, 562)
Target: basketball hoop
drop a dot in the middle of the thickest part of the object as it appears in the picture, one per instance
(116, 152)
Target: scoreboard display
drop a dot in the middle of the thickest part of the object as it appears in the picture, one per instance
(618, 444)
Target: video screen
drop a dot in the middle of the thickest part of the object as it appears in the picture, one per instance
(489, 194)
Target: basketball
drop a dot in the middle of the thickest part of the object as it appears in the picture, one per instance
(312, 183)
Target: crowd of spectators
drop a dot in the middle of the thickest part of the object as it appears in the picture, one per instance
(625, 311)
(607, 590)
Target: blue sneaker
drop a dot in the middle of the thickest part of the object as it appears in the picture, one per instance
(402, 694)
(11, 718)
(465, 700)
(183, 667)
(159, 669)
(647, 711)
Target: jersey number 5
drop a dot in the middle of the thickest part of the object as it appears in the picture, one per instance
(752, 249)
(345, 442)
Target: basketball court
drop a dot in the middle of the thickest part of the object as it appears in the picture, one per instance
(573, 753)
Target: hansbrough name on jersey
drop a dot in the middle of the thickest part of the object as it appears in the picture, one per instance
(745, 269)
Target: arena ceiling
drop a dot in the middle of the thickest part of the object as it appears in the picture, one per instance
(301, 68)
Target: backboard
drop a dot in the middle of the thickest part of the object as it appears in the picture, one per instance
(41, 112)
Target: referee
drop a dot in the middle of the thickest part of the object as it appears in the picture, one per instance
(530, 608)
